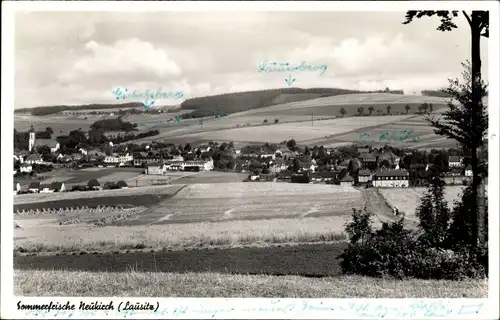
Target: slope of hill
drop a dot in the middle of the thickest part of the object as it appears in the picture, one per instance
(243, 101)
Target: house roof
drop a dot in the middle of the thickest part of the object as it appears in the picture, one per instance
(347, 178)
(34, 157)
(454, 159)
(46, 186)
(388, 155)
(392, 173)
(122, 183)
(345, 163)
(35, 185)
(285, 174)
(57, 185)
(364, 172)
(93, 183)
(367, 156)
(469, 167)
(325, 174)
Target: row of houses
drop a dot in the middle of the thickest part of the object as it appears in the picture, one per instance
(37, 187)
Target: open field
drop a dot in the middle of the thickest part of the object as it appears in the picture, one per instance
(407, 200)
(156, 284)
(44, 235)
(38, 198)
(250, 201)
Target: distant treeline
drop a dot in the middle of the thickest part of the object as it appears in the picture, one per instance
(116, 124)
(43, 111)
(435, 93)
(242, 101)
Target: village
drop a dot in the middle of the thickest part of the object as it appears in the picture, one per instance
(365, 166)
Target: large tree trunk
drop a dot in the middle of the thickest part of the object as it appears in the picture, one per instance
(477, 183)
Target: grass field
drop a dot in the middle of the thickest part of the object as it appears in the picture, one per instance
(45, 235)
(407, 200)
(152, 284)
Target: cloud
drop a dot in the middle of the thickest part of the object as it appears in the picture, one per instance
(123, 58)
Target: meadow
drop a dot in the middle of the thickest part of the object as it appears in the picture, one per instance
(210, 284)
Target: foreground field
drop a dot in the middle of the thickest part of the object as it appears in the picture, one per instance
(45, 235)
(133, 284)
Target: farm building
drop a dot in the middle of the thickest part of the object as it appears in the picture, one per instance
(324, 176)
(368, 160)
(363, 150)
(122, 184)
(156, 168)
(468, 171)
(26, 168)
(94, 184)
(389, 156)
(453, 178)
(347, 180)
(34, 187)
(391, 178)
(285, 176)
(364, 176)
(46, 188)
(181, 165)
(59, 186)
(34, 158)
(455, 162)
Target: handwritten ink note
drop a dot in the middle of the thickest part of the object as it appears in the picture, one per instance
(149, 97)
(280, 308)
(386, 136)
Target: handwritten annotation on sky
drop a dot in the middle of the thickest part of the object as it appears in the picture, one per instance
(270, 66)
(149, 97)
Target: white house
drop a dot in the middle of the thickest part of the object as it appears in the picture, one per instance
(26, 168)
(34, 159)
(124, 158)
(391, 178)
(34, 187)
(56, 148)
(112, 159)
(181, 165)
(455, 162)
(364, 176)
(159, 169)
(468, 171)
(347, 180)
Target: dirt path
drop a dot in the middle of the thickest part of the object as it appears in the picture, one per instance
(375, 202)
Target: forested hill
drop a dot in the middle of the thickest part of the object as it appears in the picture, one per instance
(242, 101)
(46, 110)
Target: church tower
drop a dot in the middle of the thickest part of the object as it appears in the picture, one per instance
(32, 138)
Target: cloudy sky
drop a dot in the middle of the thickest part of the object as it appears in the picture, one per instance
(80, 57)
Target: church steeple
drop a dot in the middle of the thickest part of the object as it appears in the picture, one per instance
(32, 138)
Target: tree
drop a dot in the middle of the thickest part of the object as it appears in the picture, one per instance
(379, 112)
(425, 107)
(342, 112)
(431, 107)
(187, 147)
(296, 164)
(49, 131)
(361, 110)
(479, 25)
(434, 215)
(276, 120)
(43, 150)
(388, 109)
(265, 121)
(307, 152)
(468, 126)
(291, 144)
(407, 107)
(371, 109)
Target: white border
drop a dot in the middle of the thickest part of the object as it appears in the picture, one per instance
(283, 308)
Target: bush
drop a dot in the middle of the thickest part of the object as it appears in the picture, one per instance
(397, 252)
